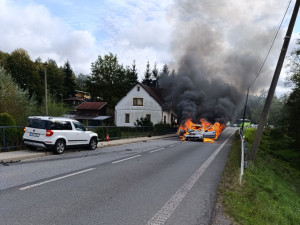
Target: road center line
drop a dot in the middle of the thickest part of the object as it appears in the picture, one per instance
(55, 179)
(126, 159)
(156, 150)
(165, 212)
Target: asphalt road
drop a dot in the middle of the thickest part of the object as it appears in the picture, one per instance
(157, 182)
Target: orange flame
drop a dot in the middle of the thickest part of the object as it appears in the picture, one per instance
(203, 126)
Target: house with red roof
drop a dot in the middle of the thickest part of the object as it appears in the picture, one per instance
(93, 112)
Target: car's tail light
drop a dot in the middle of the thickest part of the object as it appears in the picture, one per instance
(49, 133)
(24, 130)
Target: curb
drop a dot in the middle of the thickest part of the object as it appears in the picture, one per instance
(22, 155)
(16, 156)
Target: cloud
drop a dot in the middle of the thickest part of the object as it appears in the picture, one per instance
(40, 33)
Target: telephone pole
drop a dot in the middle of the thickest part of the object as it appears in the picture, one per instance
(46, 96)
(271, 92)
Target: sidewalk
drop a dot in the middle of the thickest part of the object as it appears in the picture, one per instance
(15, 156)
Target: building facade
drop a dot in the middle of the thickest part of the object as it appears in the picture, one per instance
(142, 101)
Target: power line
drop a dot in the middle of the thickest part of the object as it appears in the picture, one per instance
(270, 47)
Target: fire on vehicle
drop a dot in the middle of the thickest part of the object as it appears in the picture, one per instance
(205, 131)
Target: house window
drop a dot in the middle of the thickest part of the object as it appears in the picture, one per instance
(138, 101)
(165, 119)
(138, 88)
(148, 116)
(127, 116)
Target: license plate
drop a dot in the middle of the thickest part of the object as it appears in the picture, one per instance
(34, 134)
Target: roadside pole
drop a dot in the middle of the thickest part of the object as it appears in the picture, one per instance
(271, 92)
(46, 97)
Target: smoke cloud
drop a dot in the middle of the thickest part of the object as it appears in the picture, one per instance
(218, 47)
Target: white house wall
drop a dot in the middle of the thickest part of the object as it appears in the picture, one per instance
(168, 117)
(125, 105)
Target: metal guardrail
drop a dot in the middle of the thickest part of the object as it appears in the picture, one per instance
(242, 154)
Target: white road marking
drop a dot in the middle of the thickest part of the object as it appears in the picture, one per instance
(172, 145)
(157, 150)
(126, 159)
(55, 179)
(165, 212)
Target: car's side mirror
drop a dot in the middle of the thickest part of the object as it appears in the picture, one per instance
(86, 129)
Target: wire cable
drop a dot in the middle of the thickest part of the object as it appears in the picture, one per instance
(270, 47)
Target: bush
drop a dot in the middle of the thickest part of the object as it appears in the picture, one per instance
(13, 136)
(7, 120)
(143, 122)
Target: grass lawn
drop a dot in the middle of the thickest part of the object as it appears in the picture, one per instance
(270, 190)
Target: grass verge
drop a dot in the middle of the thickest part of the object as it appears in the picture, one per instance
(270, 191)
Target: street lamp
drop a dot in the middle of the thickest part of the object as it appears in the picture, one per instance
(46, 97)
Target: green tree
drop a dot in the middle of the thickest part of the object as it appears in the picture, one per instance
(14, 100)
(55, 80)
(69, 81)
(81, 81)
(292, 105)
(147, 76)
(55, 108)
(23, 71)
(165, 71)
(109, 80)
(155, 75)
(3, 59)
(276, 110)
(131, 75)
(255, 106)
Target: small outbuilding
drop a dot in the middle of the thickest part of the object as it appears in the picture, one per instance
(92, 112)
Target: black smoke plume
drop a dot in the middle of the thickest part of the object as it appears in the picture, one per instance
(218, 47)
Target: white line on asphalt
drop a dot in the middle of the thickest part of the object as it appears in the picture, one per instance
(165, 212)
(55, 179)
(172, 145)
(125, 159)
(157, 150)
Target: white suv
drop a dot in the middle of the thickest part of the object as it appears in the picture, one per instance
(57, 133)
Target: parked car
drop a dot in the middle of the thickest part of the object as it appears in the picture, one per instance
(57, 133)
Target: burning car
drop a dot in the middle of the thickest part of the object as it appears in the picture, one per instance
(205, 131)
(194, 135)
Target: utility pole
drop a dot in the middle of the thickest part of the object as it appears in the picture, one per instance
(244, 115)
(271, 92)
(46, 97)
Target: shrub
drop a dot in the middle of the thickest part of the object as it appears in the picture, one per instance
(7, 120)
(13, 136)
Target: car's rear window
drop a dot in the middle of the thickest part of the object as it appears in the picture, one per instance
(39, 124)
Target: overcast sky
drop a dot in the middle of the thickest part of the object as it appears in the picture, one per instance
(79, 31)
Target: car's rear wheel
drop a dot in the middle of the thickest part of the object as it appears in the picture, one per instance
(93, 144)
(60, 147)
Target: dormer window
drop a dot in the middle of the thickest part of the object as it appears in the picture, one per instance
(138, 88)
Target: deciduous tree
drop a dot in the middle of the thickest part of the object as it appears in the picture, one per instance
(23, 71)
(109, 80)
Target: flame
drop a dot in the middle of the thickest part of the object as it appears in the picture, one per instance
(203, 126)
